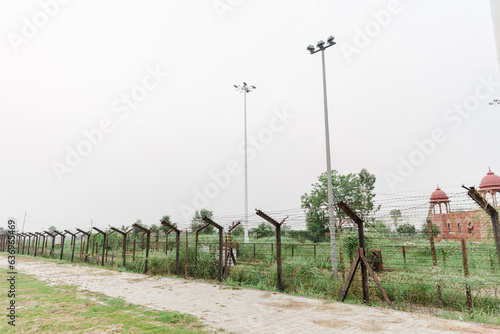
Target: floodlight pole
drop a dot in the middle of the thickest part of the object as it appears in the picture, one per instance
(331, 213)
(245, 89)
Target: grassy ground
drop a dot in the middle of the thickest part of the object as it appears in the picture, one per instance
(63, 309)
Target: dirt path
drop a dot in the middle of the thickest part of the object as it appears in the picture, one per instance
(243, 310)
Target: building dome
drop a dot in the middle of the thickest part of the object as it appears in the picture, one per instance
(439, 196)
(490, 182)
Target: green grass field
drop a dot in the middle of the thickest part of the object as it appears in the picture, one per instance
(63, 309)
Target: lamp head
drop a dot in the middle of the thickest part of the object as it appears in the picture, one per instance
(330, 40)
(321, 44)
(310, 48)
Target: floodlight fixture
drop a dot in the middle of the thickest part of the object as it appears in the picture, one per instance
(244, 88)
(321, 45)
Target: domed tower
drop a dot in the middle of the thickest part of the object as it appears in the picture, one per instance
(439, 197)
(490, 184)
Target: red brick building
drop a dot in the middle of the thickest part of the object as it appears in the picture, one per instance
(474, 225)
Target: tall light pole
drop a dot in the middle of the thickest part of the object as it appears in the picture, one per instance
(245, 89)
(321, 47)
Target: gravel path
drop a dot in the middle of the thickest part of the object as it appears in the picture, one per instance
(243, 310)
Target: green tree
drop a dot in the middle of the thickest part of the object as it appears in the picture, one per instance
(406, 228)
(52, 228)
(396, 216)
(138, 231)
(166, 218)
(238, 231)
(355, 189)
(263, 230)
(155, 228)
(425, 230)
(380, 227)
(125, 228)
(198, 221)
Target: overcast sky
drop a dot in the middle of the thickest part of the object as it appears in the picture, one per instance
(119, 110)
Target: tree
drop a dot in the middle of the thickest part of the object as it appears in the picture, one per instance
(198, 221)
(124, 228)
(263, 230)
(166, 219)
(238, 231)
(52, 228)
(406, 228)
(355, 189)
(380, 227)
(138, 231)
(155, 228)
(425, 230)
(396, 216)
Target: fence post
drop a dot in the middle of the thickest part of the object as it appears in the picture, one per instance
(103, 244)
(433, 252)
(73, 244)
(43, 241)
(177, 240)
(226, 259)
(220, 228)
(29, 243)
(82, 246)
(133, 252)
(186, 257)
(196, 245)
(483, 203)
(230, 255)
(404, 254)
(278, 244)
(24, 241)
(360, 257)
(124, 243)
(35, 242)
(466, 274)
(63, 236)
(166, 241)
(148, 239)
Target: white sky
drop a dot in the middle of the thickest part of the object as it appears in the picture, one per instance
(65, 78)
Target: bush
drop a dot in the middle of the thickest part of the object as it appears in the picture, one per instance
(425, 231)
(406, 228)
(350, 242)
(263, 230)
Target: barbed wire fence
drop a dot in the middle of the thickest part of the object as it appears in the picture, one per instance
(456, 269)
